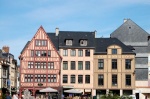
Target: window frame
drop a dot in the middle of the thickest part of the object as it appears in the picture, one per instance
(100, 63)
(65, 78)
(100, 80)
(114, 64)
(114, 80)
(80, 79)
(87, 65)
(73, 65)
(87, 79)
(127, 63)
(80, 65)
(128, 80)
(114, 51)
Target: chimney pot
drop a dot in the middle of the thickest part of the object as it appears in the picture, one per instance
(57, 31)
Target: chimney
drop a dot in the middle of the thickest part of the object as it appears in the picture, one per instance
(5, 49)
(95, 33)
(57, 31)
(124, 20)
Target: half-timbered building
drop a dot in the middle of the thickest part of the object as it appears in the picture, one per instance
(39, 64)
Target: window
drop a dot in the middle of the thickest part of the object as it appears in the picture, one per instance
(28, 78)
(43, 65)
(40, 42)
(73, 65)
(37, 53)
(73, 79)
(100, 80)
(128, 80)
(65, 78)
(83, 42)
(73, 52)
(40, 53)
(114, 63)
(51, 65)
(65, 52)
(80, 52)
(4, 72)
(128, 63)
(100, 63)
(65, 65)
(40, 78)
(114, 51)
(68, 42)
(32, 53)
(30, 64)
(43, 53)
(87, 65)
(114, 80)
(80, 79)
(80, 65)
(52, 78)
(49, 53)
(40, 65)
(87, 79)
(87, 52)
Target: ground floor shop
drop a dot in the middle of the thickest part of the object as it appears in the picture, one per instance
(100, 92)
(35, 92)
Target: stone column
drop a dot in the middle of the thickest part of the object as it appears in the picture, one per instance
(121, 92)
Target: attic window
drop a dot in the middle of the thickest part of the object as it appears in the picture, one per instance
(68, 42)
(83, 42)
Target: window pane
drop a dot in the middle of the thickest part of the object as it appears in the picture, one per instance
(100, 63)
(65, 65)
(87, 78)
(80, 78)
(73, 79)
(87, 52)
(80, 52)
(114, 80)
(73, 65)
(100, 80)
(80, 65)
(128, 63)
(128, 80)
(65, 52)
(114, 51)
(73, 52)
(114, 63)
(87, 65)
(65, 78)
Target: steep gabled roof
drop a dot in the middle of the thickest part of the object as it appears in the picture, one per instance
(76, 36)
(101, 45)
(129, 31)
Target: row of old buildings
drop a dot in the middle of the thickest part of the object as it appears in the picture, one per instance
(8, 72)
(79, 60)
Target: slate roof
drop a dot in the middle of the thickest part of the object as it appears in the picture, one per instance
(76, 36)
(54, 40)
(129, 31)
(101, 45)
(25, 46)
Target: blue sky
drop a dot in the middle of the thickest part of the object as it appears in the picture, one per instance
(20, 19)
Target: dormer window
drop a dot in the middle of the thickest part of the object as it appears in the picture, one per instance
(68, 42)
(114, 51)
(83, 42)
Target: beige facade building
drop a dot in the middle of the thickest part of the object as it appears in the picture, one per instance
(77, 70)
(114, 68)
